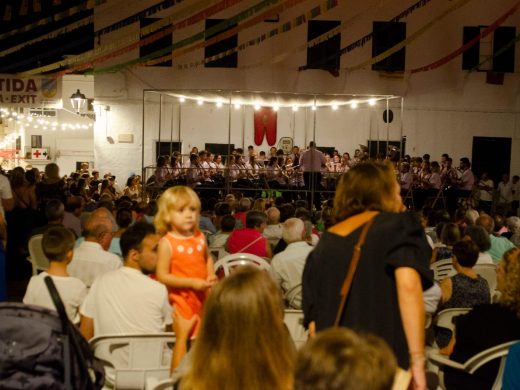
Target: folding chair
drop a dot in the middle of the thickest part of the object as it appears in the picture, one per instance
(488, 272)
(442, 269)
(37, 258)
(230, 262)
(408, 199)
(131, 360)
(471, 365)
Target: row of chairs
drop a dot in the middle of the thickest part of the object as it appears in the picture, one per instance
(146, 358)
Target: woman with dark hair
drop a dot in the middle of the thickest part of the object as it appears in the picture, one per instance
(51, 187)
(487, 326)
(386, 293)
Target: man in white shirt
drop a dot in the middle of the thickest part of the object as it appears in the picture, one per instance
(462, 187)
(287, 266)
(505, 194)
(126, 300)
(91, 258)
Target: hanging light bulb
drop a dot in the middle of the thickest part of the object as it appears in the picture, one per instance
(372, 102)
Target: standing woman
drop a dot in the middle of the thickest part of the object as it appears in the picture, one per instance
(385, 297)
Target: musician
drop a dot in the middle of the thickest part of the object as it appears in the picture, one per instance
(462, 187)
(312, 160)
(405, 179)
(486, 188)
(295, 155)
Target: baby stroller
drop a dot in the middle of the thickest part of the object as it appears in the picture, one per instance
(40, 349)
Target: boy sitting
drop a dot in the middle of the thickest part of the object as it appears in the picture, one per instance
(58, 245)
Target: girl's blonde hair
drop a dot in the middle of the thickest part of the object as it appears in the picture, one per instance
(174, 198)
(243, 343)
(511, 289)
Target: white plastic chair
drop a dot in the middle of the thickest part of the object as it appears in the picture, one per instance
(154, 384)
(444, 319)
(131, 360)
(473, 364)
(293, 297)
(37, 258)
(442, 269)
(488, 272)
(228, 263)
(294, 321)
(218, 252)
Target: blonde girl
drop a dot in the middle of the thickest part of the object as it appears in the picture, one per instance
(184, 264)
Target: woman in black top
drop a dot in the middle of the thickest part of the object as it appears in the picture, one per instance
(386, 294)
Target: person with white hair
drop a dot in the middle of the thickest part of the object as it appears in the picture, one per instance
(273, 230)
(287, 266)
(513, 224)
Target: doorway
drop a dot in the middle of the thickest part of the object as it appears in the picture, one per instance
(491, 155)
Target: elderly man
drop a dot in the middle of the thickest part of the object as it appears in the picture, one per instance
(287, 266)
(273, 230)
(91, 257)
(126, 300)
(499, 245)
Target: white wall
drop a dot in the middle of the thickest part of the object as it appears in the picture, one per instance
(443, 109)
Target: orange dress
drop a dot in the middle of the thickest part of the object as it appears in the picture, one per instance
(188, 260)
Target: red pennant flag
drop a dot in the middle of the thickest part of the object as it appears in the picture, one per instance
(265, 123)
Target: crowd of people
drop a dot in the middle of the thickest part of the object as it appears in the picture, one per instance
(125, 263)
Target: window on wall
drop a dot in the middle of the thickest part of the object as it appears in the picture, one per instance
(496, 52)
(324, 55)
(156, 45)
(386, 35)
(229, 61)
(166, 148)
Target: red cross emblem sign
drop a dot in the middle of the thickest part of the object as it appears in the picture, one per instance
(39, 154)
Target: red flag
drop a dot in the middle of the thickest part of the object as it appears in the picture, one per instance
(265, 123)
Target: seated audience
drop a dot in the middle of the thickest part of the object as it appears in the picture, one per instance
(243, 206)
(91, 258)
(58, 245)
(273, 230)
(512, 369)
(243, 342)
(487, 326)
(341, 359)
(250, 238)
(73, 210)
(227, 224)
(54, 213)
(466, 288)
(287, 266)
(479, 236)
(126, 300)
(449, 235)
(513, 224)
(499, 245)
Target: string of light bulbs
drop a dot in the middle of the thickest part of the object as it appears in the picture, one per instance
(37, 122)
(237, 104)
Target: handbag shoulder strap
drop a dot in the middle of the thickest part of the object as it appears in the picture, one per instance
(347, 282)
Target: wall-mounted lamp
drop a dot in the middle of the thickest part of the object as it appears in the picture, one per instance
(78, 101)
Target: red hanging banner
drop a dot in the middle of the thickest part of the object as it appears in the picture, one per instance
(265, 123)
